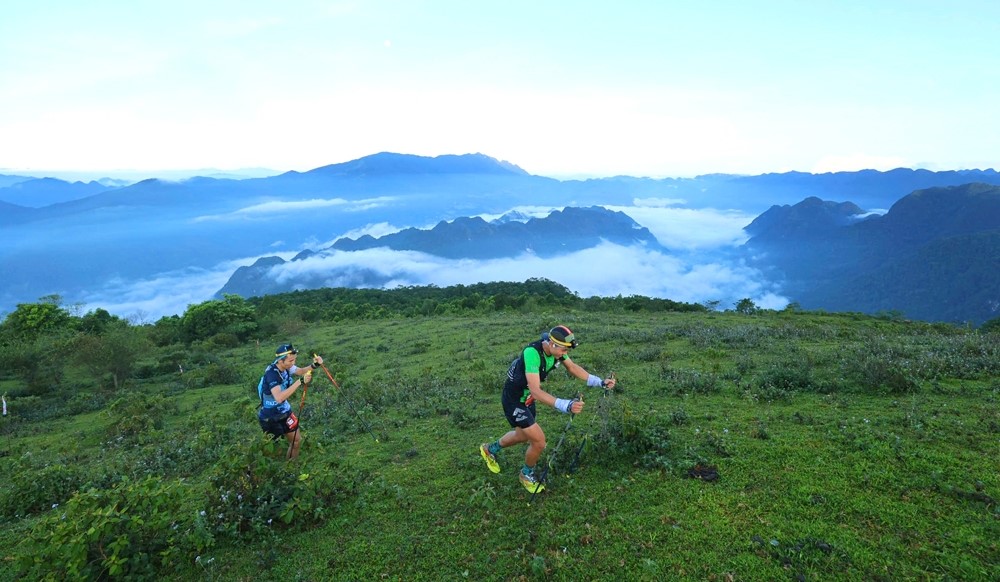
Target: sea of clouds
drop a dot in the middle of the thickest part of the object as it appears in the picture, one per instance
(700, 266)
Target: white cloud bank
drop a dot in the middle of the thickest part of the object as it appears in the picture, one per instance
(606, 270)
(272, 207)
(690, 228)
(699, 266)
(166, 294)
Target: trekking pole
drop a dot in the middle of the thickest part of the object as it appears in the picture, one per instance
(555, 451)
(349, 403)
(305, 388)
(576, 458)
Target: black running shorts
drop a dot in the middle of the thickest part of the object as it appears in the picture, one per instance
(519, 415)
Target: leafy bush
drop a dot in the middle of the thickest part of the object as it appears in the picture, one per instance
(880, 372)
(253, 489)
(680, 382)
(182, 453)
(218, 372)
(25, 407)
(654, 445)
(221, 341)
(784, 378)
(137, 530)
(137, 413)
(230, 315)
(31, 489)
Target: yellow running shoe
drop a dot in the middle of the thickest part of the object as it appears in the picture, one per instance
(531, 483)
(490, 458)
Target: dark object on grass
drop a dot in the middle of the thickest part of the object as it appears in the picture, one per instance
(703, 472)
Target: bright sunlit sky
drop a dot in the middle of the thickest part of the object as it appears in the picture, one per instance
(561, 88)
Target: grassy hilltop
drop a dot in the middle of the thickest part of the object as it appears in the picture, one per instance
(845, 447)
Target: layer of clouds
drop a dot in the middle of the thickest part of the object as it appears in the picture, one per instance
(168, 293)
(607, 270)
(689, 228)
(700, 266)
(272, 207)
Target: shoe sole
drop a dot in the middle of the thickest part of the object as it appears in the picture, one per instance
(490, 463)
(533, 487)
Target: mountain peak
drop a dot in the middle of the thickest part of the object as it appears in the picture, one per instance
(512, 216)
(945, 211)
(811, 216)
(472, 237)
(389, 163)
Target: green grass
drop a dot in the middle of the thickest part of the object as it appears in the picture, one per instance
(847, 447)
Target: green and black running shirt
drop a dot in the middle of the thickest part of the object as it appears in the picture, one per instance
(531, 361)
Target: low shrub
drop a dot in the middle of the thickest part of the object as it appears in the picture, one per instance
(784, 377)
(678, 382)
(136, 413)
(30, 489)
(253, 489)
(136, 530)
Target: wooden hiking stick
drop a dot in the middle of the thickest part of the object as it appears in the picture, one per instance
(348, 401)
(305, 388)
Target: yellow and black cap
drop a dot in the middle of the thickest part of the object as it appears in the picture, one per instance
(285, 350)
(562, 336)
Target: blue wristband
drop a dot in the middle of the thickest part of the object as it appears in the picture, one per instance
(594, 381)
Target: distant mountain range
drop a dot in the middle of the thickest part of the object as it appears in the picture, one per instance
(474, 238)
(562, 231)
(84, 240)
(460, 183)
(934, 255)
(42, 192)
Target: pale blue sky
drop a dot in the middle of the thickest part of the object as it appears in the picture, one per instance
(562, 89)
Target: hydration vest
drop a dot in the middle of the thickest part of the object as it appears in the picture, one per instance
(267, 402)
(516, 375)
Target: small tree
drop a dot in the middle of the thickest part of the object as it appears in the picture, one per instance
(167, 330)
(32, 320)
(746, 306)
(98, 321)
(113, 353)
(36, 362)
(232, 315)
(30, 336)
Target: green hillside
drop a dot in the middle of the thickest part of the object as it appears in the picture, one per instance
(845, 446)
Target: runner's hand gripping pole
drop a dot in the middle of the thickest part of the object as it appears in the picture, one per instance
(609, 382)
(349, 403)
